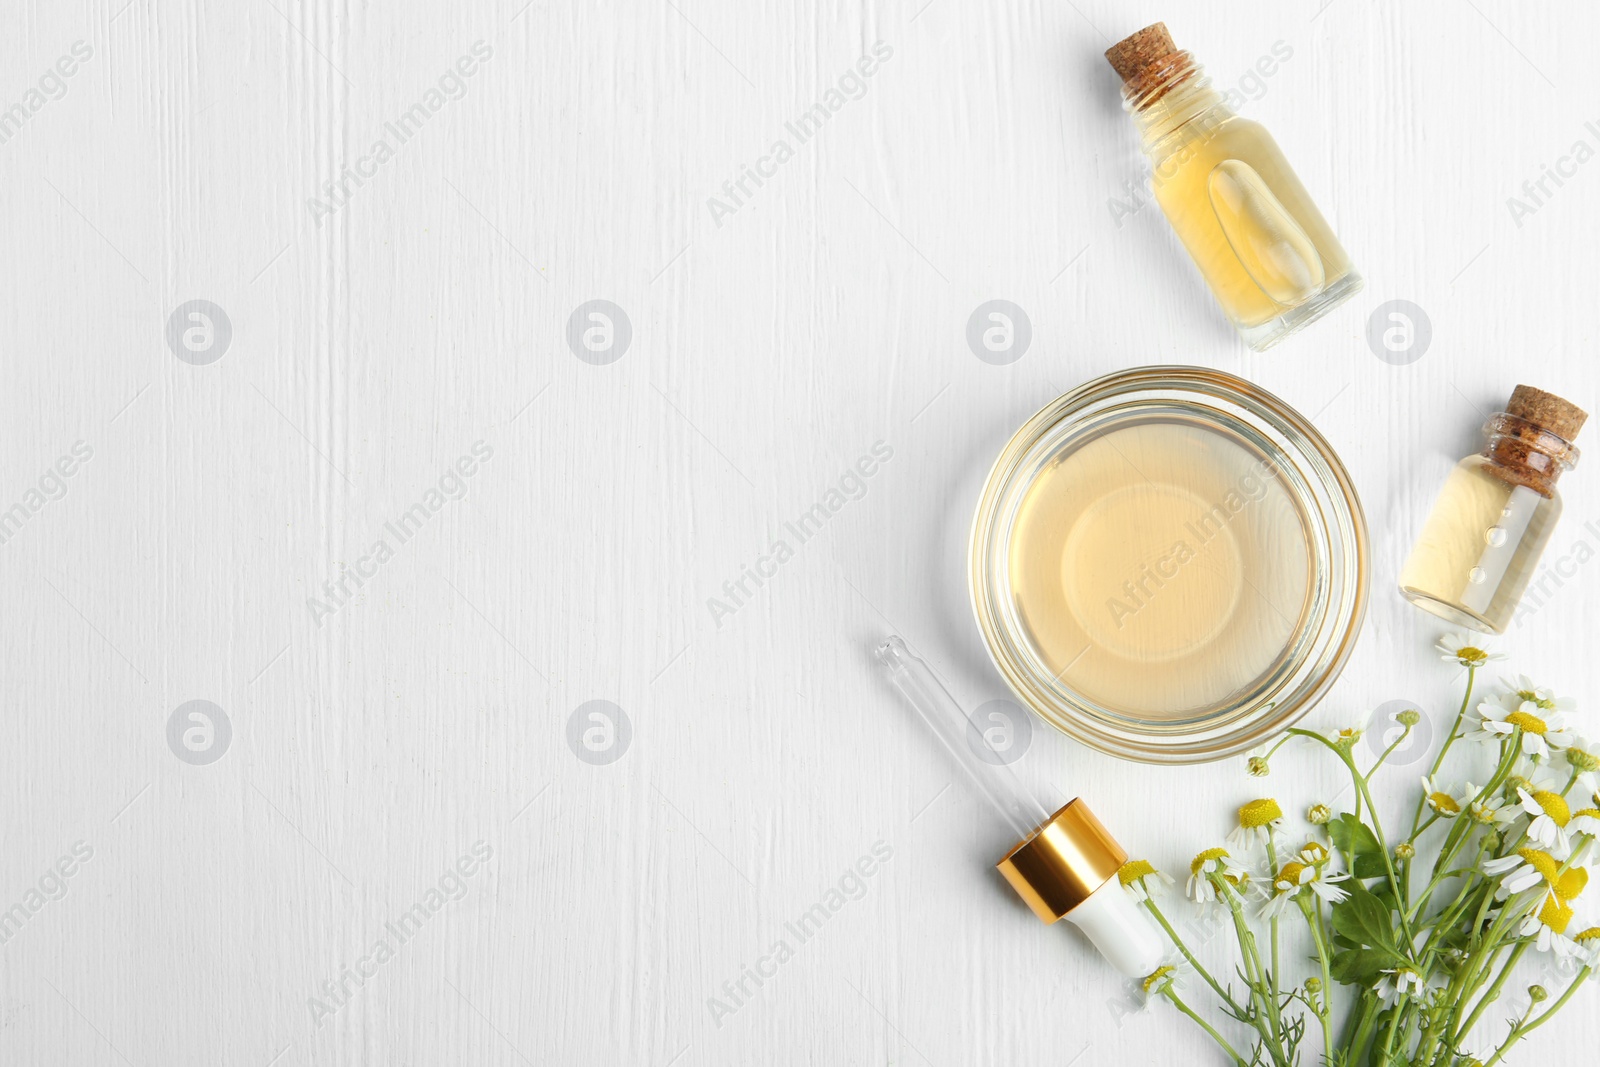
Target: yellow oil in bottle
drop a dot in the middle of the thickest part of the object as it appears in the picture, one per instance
(1262, 246)
(1481, 544)
(1248, 223)
(1479, 547)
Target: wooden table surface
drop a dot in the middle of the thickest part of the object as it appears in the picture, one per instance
(312, 416)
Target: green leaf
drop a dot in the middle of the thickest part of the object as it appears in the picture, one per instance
(1359, 843)
(1367, 921)
(1361, 966)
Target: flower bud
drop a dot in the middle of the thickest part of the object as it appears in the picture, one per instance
(1538, 993)
(1318, 814)
(1313, 985)
(1257, 766)
(1409, 717)
(1582, 760)
(1404, 850)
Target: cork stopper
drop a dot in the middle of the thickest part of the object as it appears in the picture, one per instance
(1149, 63)
(1546, 410)
(1131, 55)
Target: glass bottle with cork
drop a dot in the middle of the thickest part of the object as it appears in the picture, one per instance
(1265, 250)
(1483, 539)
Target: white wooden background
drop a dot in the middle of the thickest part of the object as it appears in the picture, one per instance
(373, 346)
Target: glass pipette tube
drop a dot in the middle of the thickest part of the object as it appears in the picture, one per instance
(996, 782)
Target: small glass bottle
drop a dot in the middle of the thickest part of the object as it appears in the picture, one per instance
(1495, 515)
(1270, 258)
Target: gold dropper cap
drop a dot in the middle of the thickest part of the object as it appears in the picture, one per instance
(1066, 860)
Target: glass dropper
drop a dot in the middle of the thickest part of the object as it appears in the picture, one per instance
(995, 780)
(1064, 865)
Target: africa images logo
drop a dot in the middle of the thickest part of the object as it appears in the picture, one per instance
(452, 485)
(450, 87)
(851, 85)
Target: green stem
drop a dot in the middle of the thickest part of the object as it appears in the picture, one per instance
(1446, 921)
(1492, 993)
(1377, 829)
(1384, 755)
(1454, 735)
(1361, 1026)
(1312, 910)
(1268, 1022)
(1524, 1028)
(1386, 1055)
(1177, 1002)
(1216, 987)
(1273, 979)
(1450, 739)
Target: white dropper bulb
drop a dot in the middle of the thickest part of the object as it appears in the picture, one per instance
(1064, 864)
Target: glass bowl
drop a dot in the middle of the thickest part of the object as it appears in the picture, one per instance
(1169, 564)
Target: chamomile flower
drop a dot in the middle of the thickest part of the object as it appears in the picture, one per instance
(1463, 650)
(1548, 926)
(1523, 869)
(1300, 874)
(1399, 983)
(1586, 822)
(1202, 888)
(1170, 975)
(1314, 852)
(1259, 820)
(1586, 947)
(1543, 727)
(1346, 739)
(1550, 818)
(1132, 875)
(1488, 811)
(1441, 800)
(1584, 758)
(1256, 762)
(1537, 698)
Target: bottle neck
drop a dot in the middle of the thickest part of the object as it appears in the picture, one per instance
(1524, 453)
(1173, 105)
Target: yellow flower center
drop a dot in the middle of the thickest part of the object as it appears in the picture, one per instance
(1472, 656)
(1291, 873)
(1572, 883)
(1591, 934)
(1540, 861)
(1206, 857)
(1156, 977)
(1444, 802)
(1134, 870)
(1554, 806)
(1593, 813)
(1528, 696)
(1314, 851)
(1555, 914)
(1531, 724)
(1259, 813)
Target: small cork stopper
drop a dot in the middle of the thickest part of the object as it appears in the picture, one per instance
(1135, 57)
(1560, 417)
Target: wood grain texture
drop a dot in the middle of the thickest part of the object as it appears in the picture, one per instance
(375, 344)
